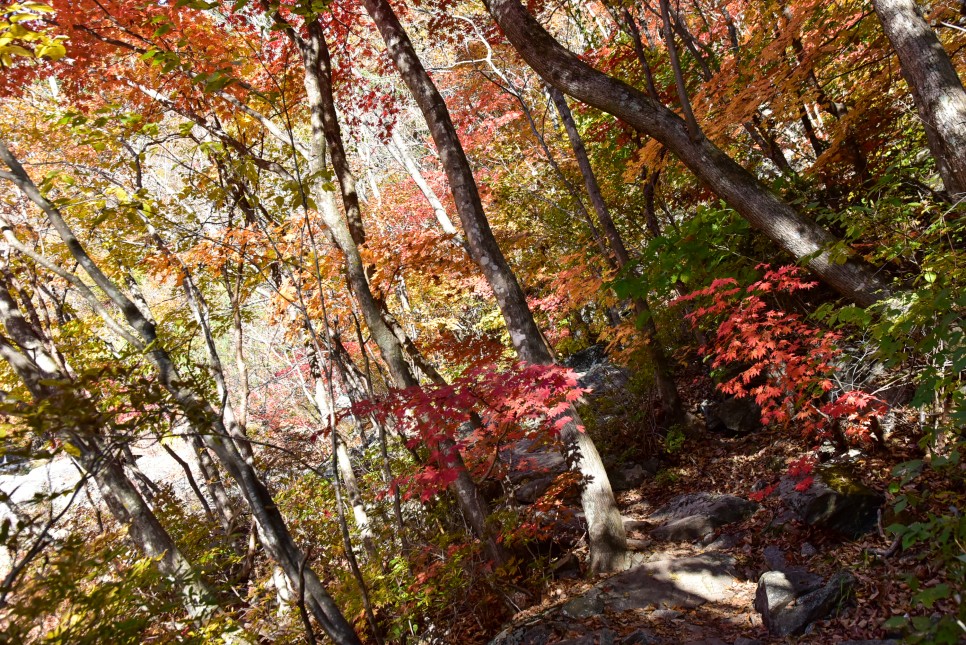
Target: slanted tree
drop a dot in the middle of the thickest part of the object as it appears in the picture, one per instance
(936, 87)
(608, 541)
(799, 236)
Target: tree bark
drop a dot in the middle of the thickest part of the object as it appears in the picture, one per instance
(608, 539)
(797, 235)
(373, 312)
(274, 533)
(38, 370)
(655, 354)
(936, 87)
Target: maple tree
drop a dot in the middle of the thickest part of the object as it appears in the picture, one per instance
(329, 258)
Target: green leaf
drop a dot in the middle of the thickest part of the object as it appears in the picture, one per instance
(928, 597)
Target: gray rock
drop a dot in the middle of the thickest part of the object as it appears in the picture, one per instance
(778, 588)
(836, 500)
(722, 509)
(733, 416)
(696, 516)
(529, 492)
(666, 614)
(724, 542)
(775, 558)
(808, 550)
(789, 601)
(641, 637)
(628, 476)
(686, 529)
(636, 525)
(875, 641)
(671, 583)
(741, 640)
(590, 604)
(600, 637)
(604, 379)
(532, 634)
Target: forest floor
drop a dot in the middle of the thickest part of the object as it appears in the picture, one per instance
(712, 463)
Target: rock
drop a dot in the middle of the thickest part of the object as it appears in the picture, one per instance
(596, 372)
(527, 458)
(566, 567)
(776, 589)
(789, 601)
(734, 415)
(629, 476)
(723, 542)
(587, 358)
(775, 558)
(670, 583)
(600, 637)
(696, 516)
(590, 604)
(808, 550)
(529, 492)
(741, 640)
(686, 529)
(835, 500)
(666, 614)
(641, 637)
(875, 641)
(722, 509)
(532, 634)
(636, 525)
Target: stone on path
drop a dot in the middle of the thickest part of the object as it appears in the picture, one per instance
(789, 601)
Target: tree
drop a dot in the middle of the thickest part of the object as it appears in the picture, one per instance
(797, 235)
(608, 541)
(935, 86)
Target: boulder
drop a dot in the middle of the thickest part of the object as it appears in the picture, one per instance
(596, 372)
(585, 606)
(836, 500)
(789, 601)
(599, 637)
(775, 558)
(696, 516)
(669, 582)
(721, 509)
(630, 476)
(529, 492)
(736, 416)
(687, 529)
(641, 637)
(530, 634)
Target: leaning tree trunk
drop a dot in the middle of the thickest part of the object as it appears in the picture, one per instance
(654, 352)
(36, 367)
(935, 85)
(797, 235)
(608, 539)
(322, 117)
(274, 533)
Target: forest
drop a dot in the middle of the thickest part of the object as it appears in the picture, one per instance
(600, 322)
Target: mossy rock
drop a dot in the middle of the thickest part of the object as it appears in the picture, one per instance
(837, 500)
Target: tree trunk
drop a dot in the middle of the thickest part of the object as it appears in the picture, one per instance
(272, 529)
(663, 373)
(797, 235)
(372, 311)
(39, 371)
(936, 88)
(607, 533)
